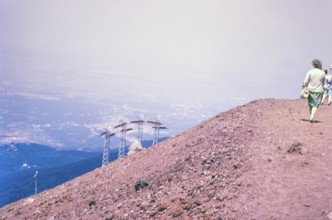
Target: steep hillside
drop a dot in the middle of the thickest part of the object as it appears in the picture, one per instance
(263, 160)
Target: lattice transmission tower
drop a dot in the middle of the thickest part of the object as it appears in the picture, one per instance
(139, 122)
(36, 182)
(156, 128)
(107, 133)
(124, 130)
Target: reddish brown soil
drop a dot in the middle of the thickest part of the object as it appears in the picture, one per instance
(263, 160)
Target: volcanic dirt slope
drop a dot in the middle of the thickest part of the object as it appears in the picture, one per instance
(262, 160)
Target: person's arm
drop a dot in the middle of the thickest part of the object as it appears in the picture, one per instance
(306, 80)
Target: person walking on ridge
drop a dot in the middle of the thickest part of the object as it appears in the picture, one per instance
(314, 81)
(329, 92)
(328, 80)
(326, 86)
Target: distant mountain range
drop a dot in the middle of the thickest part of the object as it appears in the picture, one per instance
(19, 163)
(21, 157)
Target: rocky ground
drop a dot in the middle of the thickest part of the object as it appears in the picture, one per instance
(262, 160)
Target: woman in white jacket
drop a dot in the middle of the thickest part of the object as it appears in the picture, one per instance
(314, 81)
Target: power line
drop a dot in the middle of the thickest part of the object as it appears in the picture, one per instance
(156, 125)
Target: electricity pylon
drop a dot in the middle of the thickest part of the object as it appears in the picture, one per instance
(156, 127)
(139, 123)
(107, 133)
(124, 129)
(35, 176)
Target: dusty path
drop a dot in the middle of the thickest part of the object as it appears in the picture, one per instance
(295, 184)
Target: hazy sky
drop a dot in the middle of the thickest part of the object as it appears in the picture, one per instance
(180, 55)
(167, 39)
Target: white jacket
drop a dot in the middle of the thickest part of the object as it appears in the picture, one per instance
(315, 80)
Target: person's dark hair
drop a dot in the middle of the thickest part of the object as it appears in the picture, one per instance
(325, 71)
(317, 63)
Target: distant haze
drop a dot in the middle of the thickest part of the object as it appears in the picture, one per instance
(183, 59)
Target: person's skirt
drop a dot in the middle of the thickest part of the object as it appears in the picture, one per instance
(315, 98)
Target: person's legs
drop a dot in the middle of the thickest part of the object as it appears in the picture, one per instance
(312, 114)
(310, 108)
(329, 93)
(324, 96)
